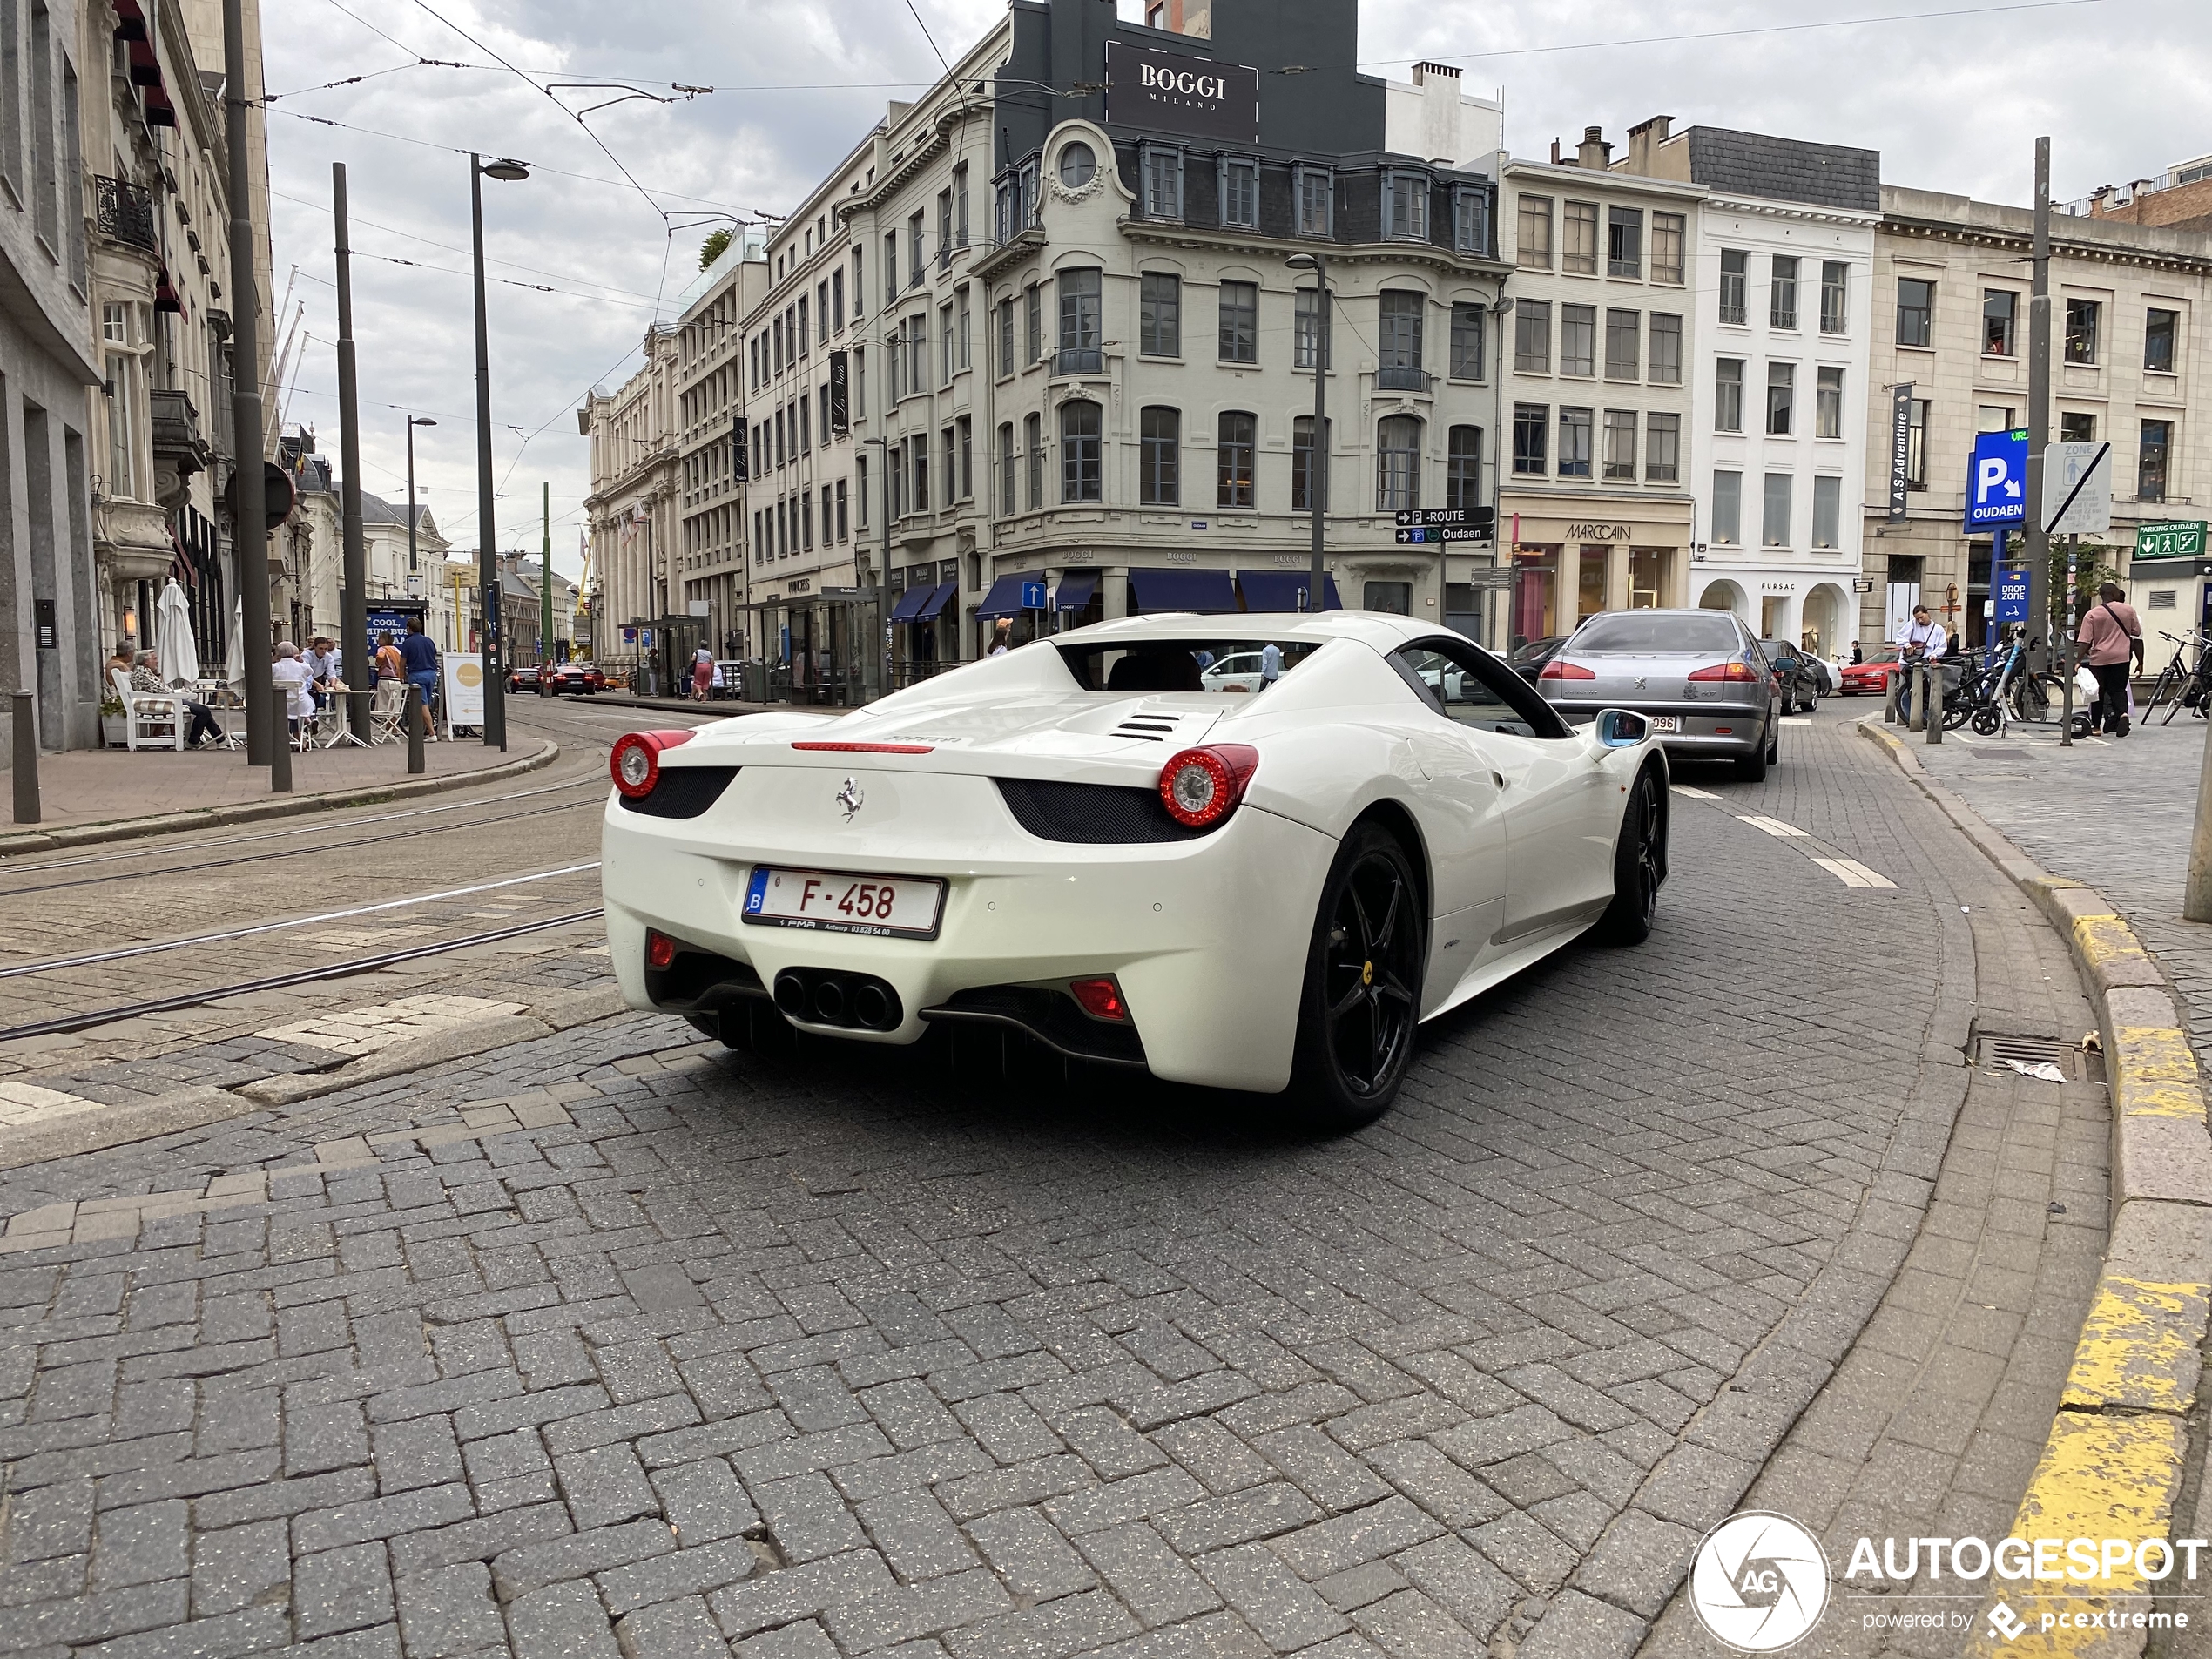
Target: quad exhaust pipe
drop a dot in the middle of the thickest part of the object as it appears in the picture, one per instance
(855, 1001)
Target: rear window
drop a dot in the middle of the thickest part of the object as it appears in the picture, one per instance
(1655, 631)
(1195, 664)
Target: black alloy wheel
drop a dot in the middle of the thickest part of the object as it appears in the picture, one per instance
(1362, 999)
(1639, 865)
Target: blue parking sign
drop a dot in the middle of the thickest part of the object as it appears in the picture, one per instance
(2012, 596)
(1997, 480)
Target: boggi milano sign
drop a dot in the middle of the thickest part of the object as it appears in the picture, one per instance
(1169, 92)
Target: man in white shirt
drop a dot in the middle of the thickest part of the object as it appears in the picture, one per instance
(1270, 664)
(1923, 639)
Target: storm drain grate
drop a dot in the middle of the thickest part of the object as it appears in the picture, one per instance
(2028, 1052)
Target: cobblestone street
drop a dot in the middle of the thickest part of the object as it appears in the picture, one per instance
(585, 1336)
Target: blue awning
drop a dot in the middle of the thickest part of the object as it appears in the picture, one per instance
(1281, 589)
(910, 602)
(1004, 599)
(938, 599)
(1077, 589)
(1206, 592)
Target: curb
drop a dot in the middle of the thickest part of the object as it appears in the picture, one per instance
(2114, 1462)
(128, 829)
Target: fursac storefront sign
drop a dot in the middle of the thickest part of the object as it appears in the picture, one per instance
(1169, 92)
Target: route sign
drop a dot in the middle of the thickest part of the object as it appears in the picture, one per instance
(1033, 595)
(1429, 534)
(1997, 480)
(1479, 518)
(2183, 539)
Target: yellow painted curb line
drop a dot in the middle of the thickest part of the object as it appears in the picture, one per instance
(2138, 1346)
(2100, 1477)
(2156, 1075)
(2105, 939)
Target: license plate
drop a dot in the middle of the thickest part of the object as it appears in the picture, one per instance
(838, 901)
(1661, 724)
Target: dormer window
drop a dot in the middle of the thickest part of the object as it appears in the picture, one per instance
(1162, 166)
(1471, 219)
(1313, 190)
(1239, 191)
(1405, 199)
(1078, 164)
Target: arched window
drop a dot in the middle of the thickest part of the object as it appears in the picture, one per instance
(1463, 468)
(1158, 463)
(1238, 441)
(1398, 464)
(1079, 452)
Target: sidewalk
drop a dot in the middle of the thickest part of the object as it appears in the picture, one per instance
(102, 794)
(2114, 814)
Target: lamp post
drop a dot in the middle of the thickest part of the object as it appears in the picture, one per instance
(414, 561)
(487, 544)
(1317, 465)
(878, 647)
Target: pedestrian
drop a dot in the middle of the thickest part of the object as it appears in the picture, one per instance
(1270, 664)
(389, 665)
(419, 654)
(702, 673)
(1002, 636)
(320, 673)
(1922, 640)
(289, 674)
(2111, 640)
(1857, 655)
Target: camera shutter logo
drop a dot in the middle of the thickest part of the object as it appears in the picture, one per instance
(1760, 1582)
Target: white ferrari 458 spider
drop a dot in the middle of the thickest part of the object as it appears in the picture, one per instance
(1088, 841)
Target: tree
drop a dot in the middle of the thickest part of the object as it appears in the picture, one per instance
(2093, 567)
(717, 244)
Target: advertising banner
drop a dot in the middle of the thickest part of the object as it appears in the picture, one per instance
(464, 689)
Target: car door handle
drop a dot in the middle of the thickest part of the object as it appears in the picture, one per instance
(1499, 778)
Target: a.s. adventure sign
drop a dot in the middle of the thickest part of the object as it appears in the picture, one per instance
(1169, 92)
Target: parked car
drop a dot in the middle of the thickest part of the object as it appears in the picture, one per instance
(1528, 660)
(1871, 676)
(1239, 672)
(1697, 675)
(578, 679)
(1320, 897)
(1800, 675)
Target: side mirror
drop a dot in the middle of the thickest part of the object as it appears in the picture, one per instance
(1622, 729)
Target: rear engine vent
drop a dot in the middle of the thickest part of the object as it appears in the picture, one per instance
(682, 792)
(1154, 728)
(1094, 814)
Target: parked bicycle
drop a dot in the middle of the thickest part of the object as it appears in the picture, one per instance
(2181, 684)
(1998, 689)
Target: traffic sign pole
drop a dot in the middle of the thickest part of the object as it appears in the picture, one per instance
(2039, 410)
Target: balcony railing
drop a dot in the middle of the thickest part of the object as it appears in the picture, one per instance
(1398, 378)
(1731, 314)
(126, 214)
(1079, 360)
(1785, 317)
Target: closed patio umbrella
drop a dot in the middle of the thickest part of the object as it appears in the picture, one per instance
(234, 656)
(172, 640)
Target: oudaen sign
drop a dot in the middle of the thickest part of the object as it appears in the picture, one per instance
(2181, 539)
(1997, 480)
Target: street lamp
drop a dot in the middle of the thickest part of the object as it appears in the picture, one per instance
(413, 422)
(487, 554)
(1316, 466)
(877, 649)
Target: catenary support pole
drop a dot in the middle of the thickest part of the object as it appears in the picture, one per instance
(353, 644)
(249, 518)
(2042, 643)
(545, 600)
(487, 534)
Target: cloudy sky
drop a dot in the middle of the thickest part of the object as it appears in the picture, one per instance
(1954, 101)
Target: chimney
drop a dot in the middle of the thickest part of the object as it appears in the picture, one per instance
(1442, 71)
(1557, 159)
(1645, 139)
(1593, 151)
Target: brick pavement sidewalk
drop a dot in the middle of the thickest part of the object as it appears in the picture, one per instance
(2116, 815)
(85, 787)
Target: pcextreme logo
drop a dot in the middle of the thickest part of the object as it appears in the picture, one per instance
(1760, 1582)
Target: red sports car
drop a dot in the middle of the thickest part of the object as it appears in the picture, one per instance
(1871, 676)
(582, 678)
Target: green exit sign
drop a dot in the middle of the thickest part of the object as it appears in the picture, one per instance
(2177, 540)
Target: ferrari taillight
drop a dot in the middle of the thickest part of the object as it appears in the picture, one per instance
(1202, 786)
(660, 949)
(636, 760)
(1736, 668)
(1555, 670)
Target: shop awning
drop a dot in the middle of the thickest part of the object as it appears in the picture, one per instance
(1206, 592)
(910, 602)
(1077, 589)
(938, 599)
(1282, 589)
(1005, 597)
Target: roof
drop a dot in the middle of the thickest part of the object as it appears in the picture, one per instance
(376, 510)
(1752, 164)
